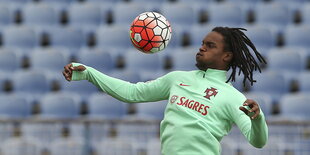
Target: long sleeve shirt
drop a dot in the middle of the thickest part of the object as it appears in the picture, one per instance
(202, 108)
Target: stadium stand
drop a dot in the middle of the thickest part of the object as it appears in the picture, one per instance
(132, 10)
(303, 81)
(102, 106)
(67, 37)
(40, 16)
(9, 61)
(295, 106)
(151, 110)
(30, 84)
(20, 37)
(297, 36)
(17, 146)
(60, 106)
(14, 107)
(87, 16)
(100, 60)
(232, 16)
(64, 146)
(6, 16)
(116, 146)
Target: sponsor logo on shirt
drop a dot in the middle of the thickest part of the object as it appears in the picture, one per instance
(190, 104)
(181, 84)
(210, 92)
(173, 98)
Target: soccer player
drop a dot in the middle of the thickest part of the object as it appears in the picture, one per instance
(202, 104)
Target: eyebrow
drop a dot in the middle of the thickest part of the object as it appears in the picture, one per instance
(209, 42)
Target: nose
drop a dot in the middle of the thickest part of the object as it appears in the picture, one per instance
(201, 49)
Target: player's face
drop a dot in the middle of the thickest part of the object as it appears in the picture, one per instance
(211, 52)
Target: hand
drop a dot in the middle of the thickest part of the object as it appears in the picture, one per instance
(67, 73)
(253, 108)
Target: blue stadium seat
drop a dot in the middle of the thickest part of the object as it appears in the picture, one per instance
(50, 61)
(113, 146)
(20, 37)
(185, 60)
(297, 36)
(21, 145)
(139, 61)
(151, 110)
(67, 37)
(59, 5)
(274, 15)
(287, 59)
(125, 13)
(97, 131)
(6, 16)
(14, 107)
(305, 11)
(30, 84)
(3, 81)
(226, 14)
(83, 88)
(15, 5)
(60, 106)
(87, 16)
(103, 106)
(303, 81)
(270, 82)
(198, 33)
(138, 133)
(68, 146)
(7, 130)
(293, 5)
(126, 75)
(179, 14)
(40, 16)
(99, 60)
(295, 106)
(262, 38)
(111, 37)
(9, 61)
(264, 100)
(43, 132)
(154, 147)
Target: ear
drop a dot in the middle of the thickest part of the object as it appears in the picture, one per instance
(228, 56)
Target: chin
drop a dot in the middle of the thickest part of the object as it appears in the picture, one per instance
(201, 66)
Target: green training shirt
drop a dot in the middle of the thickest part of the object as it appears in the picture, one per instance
(201, 108)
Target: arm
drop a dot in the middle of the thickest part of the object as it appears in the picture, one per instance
(252, 126)
(127, 92)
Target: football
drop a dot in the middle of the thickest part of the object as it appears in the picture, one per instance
(150, 32)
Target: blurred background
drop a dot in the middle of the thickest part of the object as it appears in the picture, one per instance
(42, 114)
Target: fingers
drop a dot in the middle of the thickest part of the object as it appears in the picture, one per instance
(68, 69)
(253, 108)
(67, 76)
(78, 68)
(244, 110)
(67, 73)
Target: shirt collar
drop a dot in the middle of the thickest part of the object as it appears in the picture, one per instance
(215, 74)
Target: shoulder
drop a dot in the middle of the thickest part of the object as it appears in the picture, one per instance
(235, 96)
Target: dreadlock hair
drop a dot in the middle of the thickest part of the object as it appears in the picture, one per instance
(237, 42)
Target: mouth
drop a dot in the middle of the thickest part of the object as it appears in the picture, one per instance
(199, 54)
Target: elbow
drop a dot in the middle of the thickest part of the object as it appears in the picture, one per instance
(260, 144)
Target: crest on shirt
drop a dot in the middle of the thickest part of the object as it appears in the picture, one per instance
(173, 98)
(210, 92)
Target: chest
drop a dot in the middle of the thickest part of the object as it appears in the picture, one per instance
(194, 97)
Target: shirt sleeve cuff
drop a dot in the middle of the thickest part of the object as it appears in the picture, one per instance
(78, 75)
